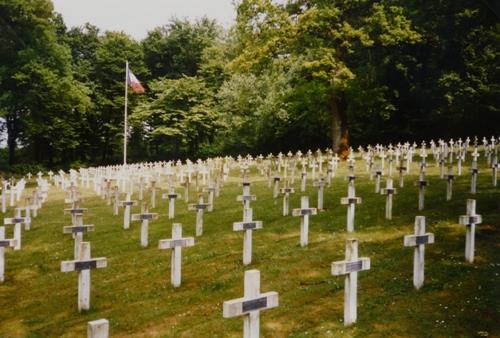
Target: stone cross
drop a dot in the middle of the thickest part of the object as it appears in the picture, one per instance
(494, 169)
(17, 221)
(199, 208)
(171, 196)
(4, 243)
(116, 200)
(211, 193)
(83, 265)
(389, 191)
(251, 304)
(98, 329)
(418, 240)
(474, 172)
(74, 212)
(247, 226)
(153, 190)
(77, 232)
(470, 220)
(186, 184)
(402, 170)
(351, 200)
(350, 267)
(449, 183)
(276, 187)
(422, 183)
(303, 179)
(304, 212)
(145, 216)
(321, 189)
(176, 243)
(5, 186)
(286, 191)
(378, 175)
(127, 204)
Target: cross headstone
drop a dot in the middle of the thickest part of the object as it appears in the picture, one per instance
(494, 169)
(449, 183)
(422, 184)
(77, 232)
(153, 190)
(351, 200)
(276, 187)
(470, 220)
(350, 267)
(145, 216)
(304, 212)
(402, 169)
(127, 204)
(418, 240)
(171, 196)
(286, 191)
(321, 190)
(247, 226)
(176, 244)
(211, 193)
(17, 221)
(251, 304)
(389, 191)
(378, 175)
(4, 243)
(474, 171)
(83, 265)
(199, 208)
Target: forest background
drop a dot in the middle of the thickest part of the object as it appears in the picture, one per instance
(303, 75)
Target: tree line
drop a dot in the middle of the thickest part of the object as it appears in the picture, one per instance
(290, 75)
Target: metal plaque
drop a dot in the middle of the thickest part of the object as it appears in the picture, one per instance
(4, 244)
(85, 265)
(172, 195)
(353, 266)
(304, 212)
(128, 203)
(422, 183)
(249, 225)
(201, 206)
(144, 217)
(254, 304)
(423, 239)
(177, 242)
(352, 200)
(78, 229)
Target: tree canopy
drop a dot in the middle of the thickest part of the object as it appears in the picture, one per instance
(287, 75)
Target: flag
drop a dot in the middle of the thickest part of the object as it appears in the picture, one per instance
(134, 83)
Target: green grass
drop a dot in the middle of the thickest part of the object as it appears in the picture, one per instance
(134, 292)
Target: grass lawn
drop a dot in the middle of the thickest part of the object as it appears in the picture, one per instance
(134, 293)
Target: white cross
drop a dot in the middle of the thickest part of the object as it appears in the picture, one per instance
(171, 196)
(4, 243)
(176, 244)
(77, 232)
(247, 226)
(145, 216)
(199, 208)
(286, 191)
(17, 221)
(127, 204)
(470, 220)
(351, 200)
(98, 329)
(251, 304)
(350, 267)
(389, 192)
(321, 188)
(418, 240)
(83, 265)
(304, 212)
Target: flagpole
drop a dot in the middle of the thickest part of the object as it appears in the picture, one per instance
(125, 116)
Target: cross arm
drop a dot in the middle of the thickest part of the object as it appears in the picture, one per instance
(414, 240)
(172, 243)
(70, 229)
(344, 267)
(77, 265)
(242, 306)
(238, 226)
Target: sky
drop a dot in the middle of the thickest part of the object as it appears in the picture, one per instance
(137, 17)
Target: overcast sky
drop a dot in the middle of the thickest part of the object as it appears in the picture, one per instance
(137, 17)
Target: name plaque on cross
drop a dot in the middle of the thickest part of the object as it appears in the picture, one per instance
(466, 219)
(353, 266)
(254, 304)
(128, 203)
(7, 243)
(85, 265)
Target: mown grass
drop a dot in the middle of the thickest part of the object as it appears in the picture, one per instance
(135, 294)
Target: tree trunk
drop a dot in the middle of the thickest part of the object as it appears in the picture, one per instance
(340, 133)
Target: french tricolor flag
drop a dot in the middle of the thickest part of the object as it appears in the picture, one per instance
(134, 83)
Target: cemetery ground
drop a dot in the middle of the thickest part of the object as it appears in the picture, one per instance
(134, 292)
